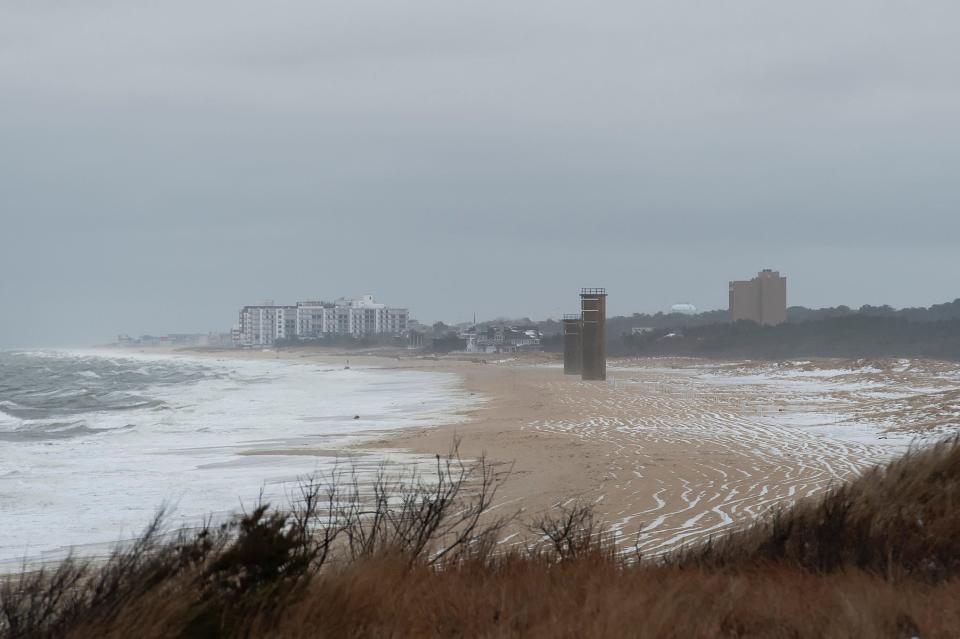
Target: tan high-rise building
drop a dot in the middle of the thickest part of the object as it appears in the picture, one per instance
(762, 300)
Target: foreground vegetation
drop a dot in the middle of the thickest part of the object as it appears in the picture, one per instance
(878, 557)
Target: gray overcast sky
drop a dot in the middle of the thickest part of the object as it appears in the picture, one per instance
(163, 163)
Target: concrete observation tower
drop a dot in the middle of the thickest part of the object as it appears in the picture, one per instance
(593, 312)
(584, 337)
(572, 347)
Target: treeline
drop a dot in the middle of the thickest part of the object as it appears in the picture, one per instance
(626, 323)
(857, 335)
(935, 313)
(617, 326)
(840, 331)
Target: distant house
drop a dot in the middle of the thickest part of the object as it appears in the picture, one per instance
(178, 339)
(501, 339)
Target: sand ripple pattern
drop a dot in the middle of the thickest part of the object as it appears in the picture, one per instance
(739, 449)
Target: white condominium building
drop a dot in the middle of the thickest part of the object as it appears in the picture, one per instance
(356, 317)
(265, 323)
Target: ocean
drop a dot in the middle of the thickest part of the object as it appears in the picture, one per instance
(92, 443)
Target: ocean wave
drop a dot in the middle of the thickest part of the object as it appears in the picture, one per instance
(7, 404)
(15, 410)
(172, 417)
(49, 431)
(38, 385)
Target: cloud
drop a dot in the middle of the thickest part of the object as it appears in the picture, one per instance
(329, 148)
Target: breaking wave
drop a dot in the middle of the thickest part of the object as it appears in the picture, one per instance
(46, 396)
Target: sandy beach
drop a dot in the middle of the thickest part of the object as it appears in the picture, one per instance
(670, 451)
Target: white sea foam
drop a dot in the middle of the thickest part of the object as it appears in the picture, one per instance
(104, 486)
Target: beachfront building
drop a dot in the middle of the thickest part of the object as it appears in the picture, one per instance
(263, 324)
(356, 317)
(315, 319)
(353, 317)
(762, 300)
